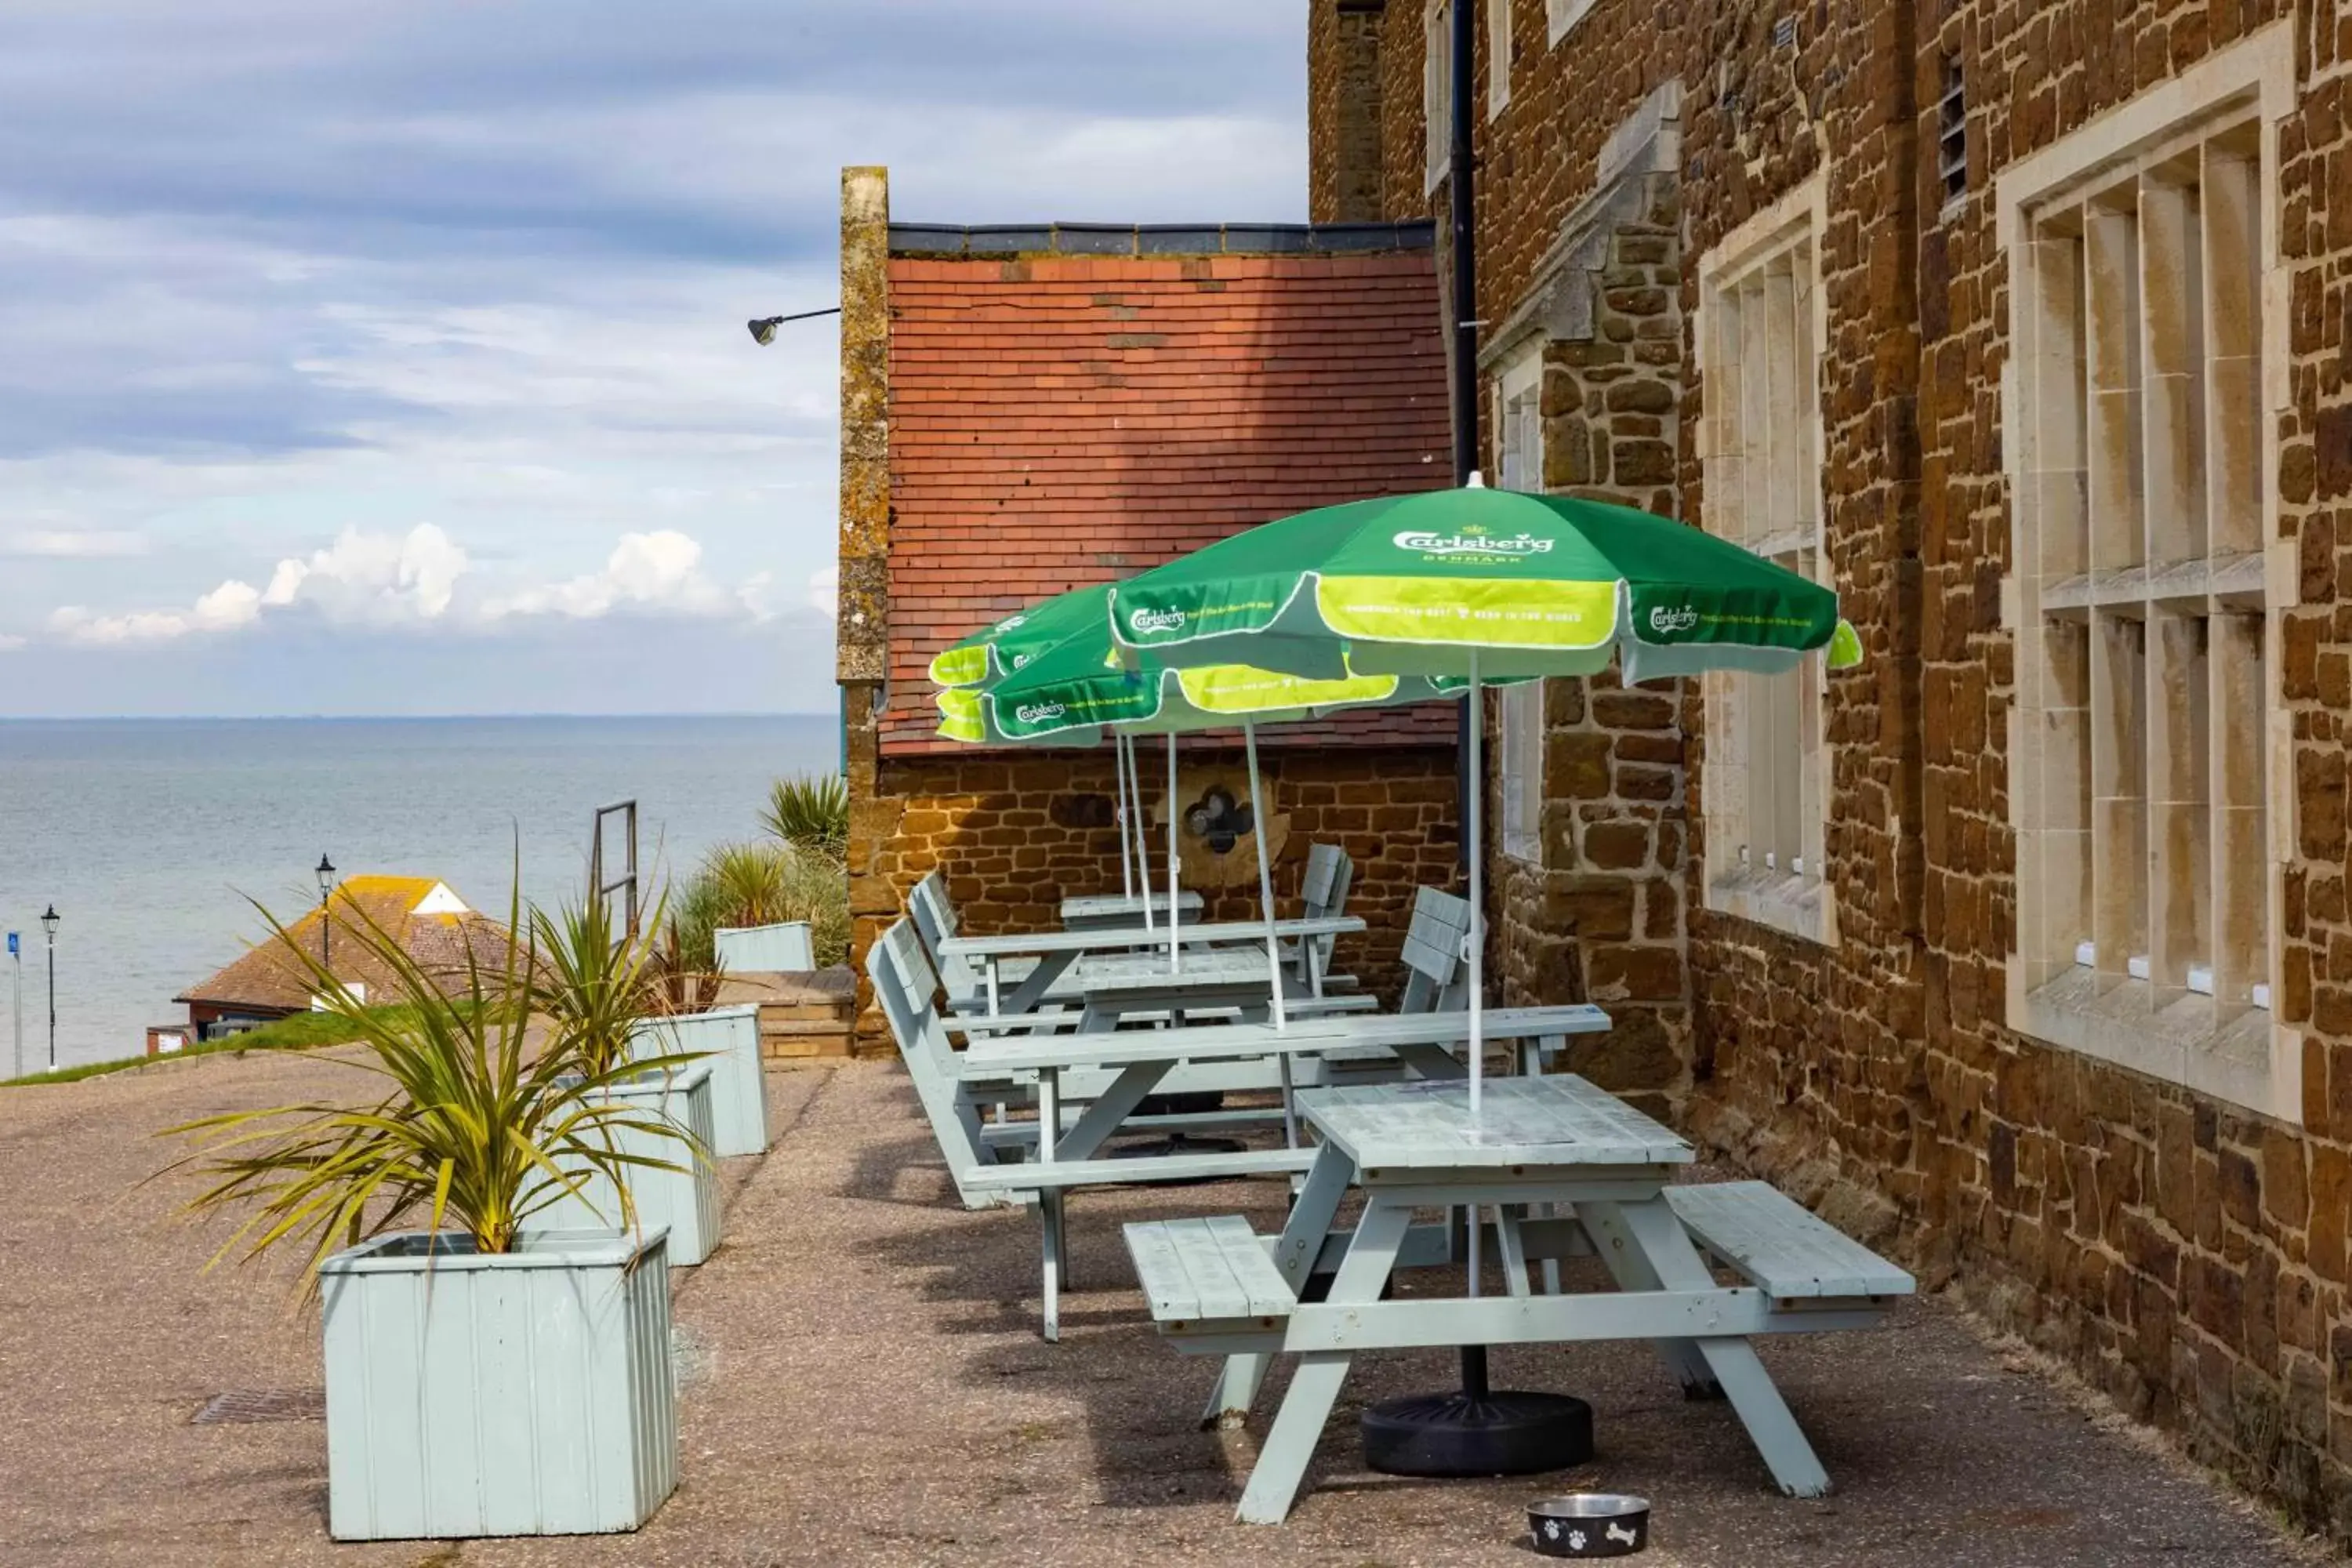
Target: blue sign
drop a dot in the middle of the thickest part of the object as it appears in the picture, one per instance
(12, 944)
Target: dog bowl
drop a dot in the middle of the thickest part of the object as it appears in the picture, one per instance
(1589, 1524)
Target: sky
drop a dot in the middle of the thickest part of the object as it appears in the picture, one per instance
(388, 357)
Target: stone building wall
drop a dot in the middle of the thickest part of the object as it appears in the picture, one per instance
(2189, 1257)
(1344, 96)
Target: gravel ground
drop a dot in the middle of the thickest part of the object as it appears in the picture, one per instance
(864, 1384)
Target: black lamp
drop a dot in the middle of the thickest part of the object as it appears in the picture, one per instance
(326, 916)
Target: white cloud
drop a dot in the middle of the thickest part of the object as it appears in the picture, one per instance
(419, 579)
(10, 642)
(74, 545)
(824, 589)
(232, 605)
(659, 571)
(374, 578)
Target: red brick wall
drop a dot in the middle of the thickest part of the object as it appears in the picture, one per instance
(2190, 1257)
(1058, 420)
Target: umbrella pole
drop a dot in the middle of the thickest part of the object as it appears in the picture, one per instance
(1477, 937)
(1476, 1431)
(1118, 815)
(1175, 954)
(1258, 814)
(1142, 849)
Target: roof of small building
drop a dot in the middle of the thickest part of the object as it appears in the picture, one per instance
(432, 925)
(1071, 404)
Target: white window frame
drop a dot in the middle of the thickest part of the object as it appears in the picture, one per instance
(1437, 90)
(1760, 451)
(1520, 710)
(1560, 17)
(2135, 1004)
(1500, 57)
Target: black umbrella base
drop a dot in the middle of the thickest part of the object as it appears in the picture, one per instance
(1488, 1434)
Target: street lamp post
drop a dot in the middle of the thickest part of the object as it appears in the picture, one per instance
(49, 929)
(326, 915)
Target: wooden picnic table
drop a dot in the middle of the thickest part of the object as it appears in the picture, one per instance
(1565, 1169)
(1142, 1057)
(1056, 951)
(1116, 987)
(1093, 911)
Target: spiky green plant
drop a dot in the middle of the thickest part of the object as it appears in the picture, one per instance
(753, 882)
(593, 985)
(810, 811)
(475, 1130)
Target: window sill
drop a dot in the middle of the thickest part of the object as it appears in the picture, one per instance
(1564, 22)
(1798, 906)
(2233, 1057)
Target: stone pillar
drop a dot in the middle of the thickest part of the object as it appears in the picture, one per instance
(1343, 110)
(863, 610)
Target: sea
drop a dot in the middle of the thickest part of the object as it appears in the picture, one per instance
(150, 836)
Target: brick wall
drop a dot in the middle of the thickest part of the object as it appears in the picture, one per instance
(2187, 1257)
(1016, 834)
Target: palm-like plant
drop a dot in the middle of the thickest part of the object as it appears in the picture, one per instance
(594, 987)
(475, 1131)
(810, 811)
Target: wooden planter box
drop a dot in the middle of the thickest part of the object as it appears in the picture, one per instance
(529, 1393)
(738, 1085)
(685, 1202)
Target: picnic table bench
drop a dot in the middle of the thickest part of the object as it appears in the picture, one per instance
(1565, 1169)
(1232, 981)
(1141, 1059)
(1055, 950)
(1121, 910)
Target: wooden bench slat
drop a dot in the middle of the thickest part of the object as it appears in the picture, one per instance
(1779, 1245)
(1246, 1255)
(1207, 1270)
(1221, 1295)
(1167, 1284)
(1030, 1177)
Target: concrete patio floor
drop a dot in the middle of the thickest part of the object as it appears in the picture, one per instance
(864, 1384)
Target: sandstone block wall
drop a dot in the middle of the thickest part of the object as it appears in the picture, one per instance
(2189, 1257)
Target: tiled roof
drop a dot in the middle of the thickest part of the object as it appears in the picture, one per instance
(268, 978)
(1058, 420)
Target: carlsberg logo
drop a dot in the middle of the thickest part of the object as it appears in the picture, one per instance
(1666, 622)
(1038, 712)
(1157, 621)
(1471, 544)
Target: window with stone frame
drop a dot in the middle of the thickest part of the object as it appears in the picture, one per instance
(1499, 57)
(2145, 783)
(1437, 88)
(1520, 710)
(1561, 15)
(1764, 789)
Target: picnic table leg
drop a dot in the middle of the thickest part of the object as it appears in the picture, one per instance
(1312, 1211)
(1115, 1105)
(1049, 1199)
(1630, 1266)
(1667, 1249)
(1299, 1426)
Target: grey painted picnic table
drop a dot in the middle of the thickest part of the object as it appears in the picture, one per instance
(1055, 950)
(1116, 987)
(1142, 1057)
(1542, 1147)
(1093, 911)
